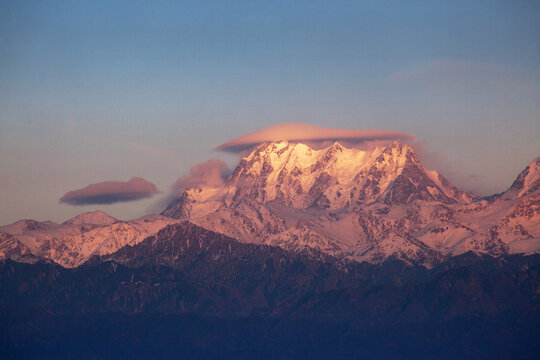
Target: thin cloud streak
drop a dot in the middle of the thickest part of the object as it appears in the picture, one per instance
(211, 173)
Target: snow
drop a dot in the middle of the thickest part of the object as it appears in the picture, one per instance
(525, 246)
(73, 242)
(96, 218)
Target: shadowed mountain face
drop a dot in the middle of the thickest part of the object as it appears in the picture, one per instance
(207, 280)
(185, 267)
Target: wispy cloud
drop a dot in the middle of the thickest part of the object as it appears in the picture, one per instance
(212, 173)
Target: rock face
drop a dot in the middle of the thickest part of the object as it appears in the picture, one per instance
(363, 205)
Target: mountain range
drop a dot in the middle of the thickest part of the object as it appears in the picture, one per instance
(363, 205)
(325, 252)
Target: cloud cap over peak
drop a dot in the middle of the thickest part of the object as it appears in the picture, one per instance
(110, 192)
(305, 132)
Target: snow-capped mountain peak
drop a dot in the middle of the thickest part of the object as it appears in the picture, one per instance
(97, 217)
(526, 183)
(335, 177)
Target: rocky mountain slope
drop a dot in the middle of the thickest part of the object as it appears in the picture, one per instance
(366, 205)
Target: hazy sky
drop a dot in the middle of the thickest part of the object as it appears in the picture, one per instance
(93, 91)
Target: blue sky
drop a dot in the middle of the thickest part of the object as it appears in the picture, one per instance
(98, 90)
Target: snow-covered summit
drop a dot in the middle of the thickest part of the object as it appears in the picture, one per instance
(335, 177)
(97, 217)
(527, 182)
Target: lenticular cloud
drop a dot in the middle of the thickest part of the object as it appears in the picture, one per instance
(312, 133)
(110, 192)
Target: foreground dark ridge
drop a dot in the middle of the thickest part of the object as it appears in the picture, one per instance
(184, 265)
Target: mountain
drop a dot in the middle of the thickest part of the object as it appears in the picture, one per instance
(527, 183)
(11, 248)
(74, 241)
(301, 253)
(186, 268)
(366, 205)
(333, 178)
(363, 205)
(91, 218)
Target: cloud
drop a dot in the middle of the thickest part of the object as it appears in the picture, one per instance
(210, 173)
(309, 133)
(110, 192)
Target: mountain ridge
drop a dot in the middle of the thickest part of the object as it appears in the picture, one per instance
(74, 241)
(366, 205)
(362, 205)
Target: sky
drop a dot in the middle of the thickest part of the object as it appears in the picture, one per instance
(96, 92)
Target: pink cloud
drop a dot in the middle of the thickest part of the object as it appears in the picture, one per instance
(110, 192)
(210, 173)
(309, 133)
